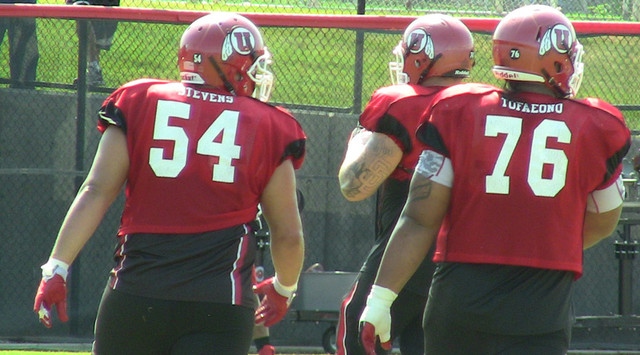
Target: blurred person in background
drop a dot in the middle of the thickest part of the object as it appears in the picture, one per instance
(23, 47)
(513, 185)
(436, 51)
(197, 157)
(100, 34)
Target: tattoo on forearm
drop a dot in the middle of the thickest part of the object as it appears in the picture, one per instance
(370, 177)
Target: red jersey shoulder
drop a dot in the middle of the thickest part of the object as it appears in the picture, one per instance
(282, 128)
(386, 96)
(282, 109)
(126, 95)
(466, 89)
(602, 106)
(139, 85)
(287, 116)
(396, 91)
(282, 118)
(458, 96)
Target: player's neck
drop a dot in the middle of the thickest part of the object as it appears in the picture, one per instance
(522, 87)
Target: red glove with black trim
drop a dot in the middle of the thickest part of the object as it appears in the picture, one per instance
(275, 301)
(52, 292)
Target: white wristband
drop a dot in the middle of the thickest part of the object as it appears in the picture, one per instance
(381, 296)
(53, 267)
(286, 291)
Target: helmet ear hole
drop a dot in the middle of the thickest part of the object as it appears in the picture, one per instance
(416, 63)
(558, 67)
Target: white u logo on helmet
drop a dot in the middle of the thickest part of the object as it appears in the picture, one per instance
(419, 40)
(240, 40)
(558, 37)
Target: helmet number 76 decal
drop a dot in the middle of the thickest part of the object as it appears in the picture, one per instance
(226, 150)
(498, 182)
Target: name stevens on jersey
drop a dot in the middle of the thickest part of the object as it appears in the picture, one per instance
(204, 96)
(532, 108)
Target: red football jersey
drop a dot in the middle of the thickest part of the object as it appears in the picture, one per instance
(395, 111)
(523, 167)
(200, 158)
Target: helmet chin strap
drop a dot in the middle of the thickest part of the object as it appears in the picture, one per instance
(227, 84)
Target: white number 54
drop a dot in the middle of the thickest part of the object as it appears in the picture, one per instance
(226, 150)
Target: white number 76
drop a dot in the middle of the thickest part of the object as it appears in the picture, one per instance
(498, 181)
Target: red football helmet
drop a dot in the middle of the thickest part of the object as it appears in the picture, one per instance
(537, 43)
(226, 50)
(433, 45)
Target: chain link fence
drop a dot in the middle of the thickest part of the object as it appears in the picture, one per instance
(325, 76)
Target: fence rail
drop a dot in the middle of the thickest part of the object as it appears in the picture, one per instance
(362, 22)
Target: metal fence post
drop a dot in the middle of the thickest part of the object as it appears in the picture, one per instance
(358, 65)
(74, 285)
(626, 251)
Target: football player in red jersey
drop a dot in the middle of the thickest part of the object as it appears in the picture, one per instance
(513, 185)
(197, 157)
(436, 51)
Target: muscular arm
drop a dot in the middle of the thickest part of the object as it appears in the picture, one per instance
(370, 159)
(102, 185)
(604, 207)
(414, 233)
(280, 209)
(598, 226)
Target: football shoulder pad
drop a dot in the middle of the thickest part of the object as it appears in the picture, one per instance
(602, 106)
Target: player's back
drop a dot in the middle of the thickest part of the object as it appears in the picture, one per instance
(200, 158)
(523, 165)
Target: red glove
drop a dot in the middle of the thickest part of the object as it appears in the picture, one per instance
(275, 301)
(375, 320)
(368, 339)
(52, 291)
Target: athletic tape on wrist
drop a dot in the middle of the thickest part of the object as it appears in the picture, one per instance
(286, 291)
(382, 296)
(55, 266)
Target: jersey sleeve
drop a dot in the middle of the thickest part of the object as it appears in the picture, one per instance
(375, 109)
(606, 199)
(293, 136)
(377, 116)
(615, 135)
(111, 112)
